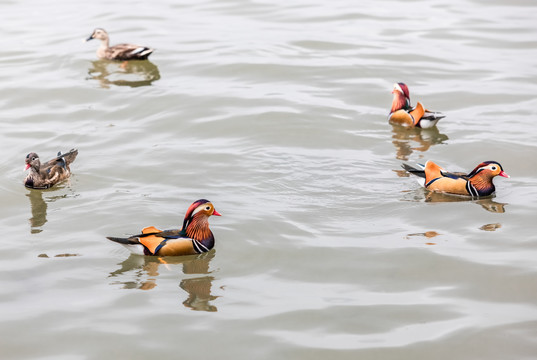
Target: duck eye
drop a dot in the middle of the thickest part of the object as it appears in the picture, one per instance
(493, 168)
(33, 158)
(208, 208)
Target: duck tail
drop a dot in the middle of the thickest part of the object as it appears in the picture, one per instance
(433, 115)
(124, 241)
(69, 156)
(415, 170)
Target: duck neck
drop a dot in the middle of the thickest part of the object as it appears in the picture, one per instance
(34, 170)
(482, 183)
(198, 228)
(399, 102)
(105, 44)
(33, 179)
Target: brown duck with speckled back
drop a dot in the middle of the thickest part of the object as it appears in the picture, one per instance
(44, 176)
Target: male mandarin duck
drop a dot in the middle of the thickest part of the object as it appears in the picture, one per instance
(118, 52)
(195, 237)
(43, 176)
(477, 183)
(403, 113)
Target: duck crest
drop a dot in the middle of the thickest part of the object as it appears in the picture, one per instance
(481, 167)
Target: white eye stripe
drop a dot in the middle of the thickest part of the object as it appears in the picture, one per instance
(199, 208)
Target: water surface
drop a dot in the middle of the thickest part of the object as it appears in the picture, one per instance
(276, 112)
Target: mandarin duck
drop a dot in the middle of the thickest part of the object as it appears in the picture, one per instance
(43, 176)
(477, 183)
(193, 238)
(120, 52)
(402, 112)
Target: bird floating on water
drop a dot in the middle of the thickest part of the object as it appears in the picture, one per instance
(476, 183)
(120, 52)
(44, 176)
(194, 237)
(402, 112)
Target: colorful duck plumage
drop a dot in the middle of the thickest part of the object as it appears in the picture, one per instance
(402, 112)
(194, 237)
(477, 183)
(120, 52)
(43, 176)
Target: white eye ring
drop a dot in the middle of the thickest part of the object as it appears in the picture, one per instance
(208, 208)
(33, 158)
(493, 168)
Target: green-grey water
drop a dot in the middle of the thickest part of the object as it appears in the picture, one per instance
(276, 111)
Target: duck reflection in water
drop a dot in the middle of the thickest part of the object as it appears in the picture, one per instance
(145, 270)
(38, 206)
(407, 140)
(133, 73)
(486, 203)
(39, 211)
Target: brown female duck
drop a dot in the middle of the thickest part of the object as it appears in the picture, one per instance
(44, 176)
(120, 52)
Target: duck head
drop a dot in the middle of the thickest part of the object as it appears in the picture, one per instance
(488, 169)
(196, 222)
(401, 97)
(481, 177)
(99, 34)
(32, 161)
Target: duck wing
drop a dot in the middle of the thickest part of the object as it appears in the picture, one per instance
(128, 52)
